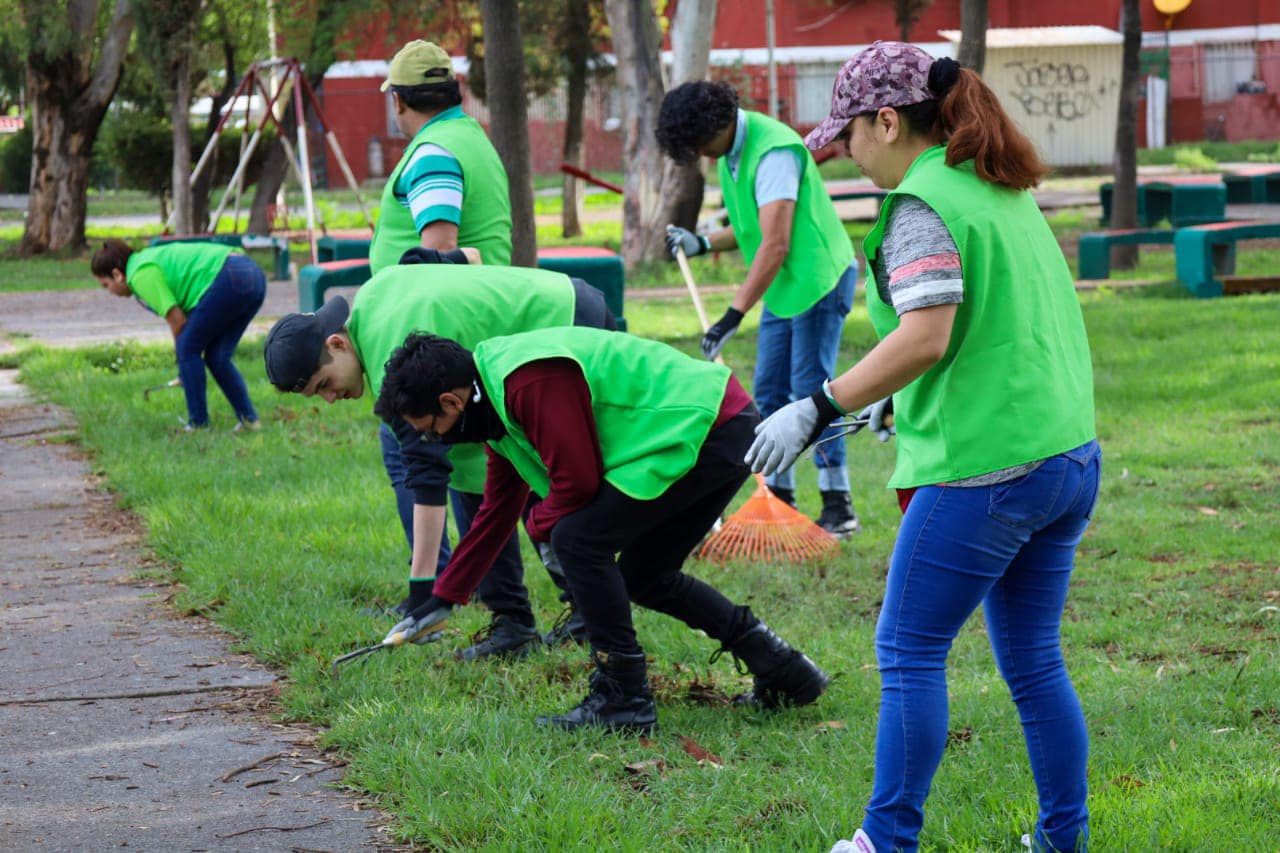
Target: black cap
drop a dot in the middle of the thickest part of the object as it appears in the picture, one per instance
(295, 342)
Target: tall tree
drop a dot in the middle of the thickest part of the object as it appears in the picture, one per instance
(637, 46)
(973, 34)
(509, 119)
(691, 52)
(1124, 198)
(579, 48)
(906, 13)
(75, 51)
(167, 32)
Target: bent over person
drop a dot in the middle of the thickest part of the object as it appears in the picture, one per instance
(634, 449)
(208, 294)
(329, 355)
(801, 262)
(983, 346)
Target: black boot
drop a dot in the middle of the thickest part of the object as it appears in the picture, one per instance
(568, 627)
(619, 699)
(787, 496)
(838, 517)
(783, 676)
(504, 637)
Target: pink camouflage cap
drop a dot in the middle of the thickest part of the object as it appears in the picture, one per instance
(887, 74)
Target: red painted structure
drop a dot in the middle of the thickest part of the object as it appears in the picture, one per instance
(1197, 37)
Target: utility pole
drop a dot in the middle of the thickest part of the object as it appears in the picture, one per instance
(770, 43)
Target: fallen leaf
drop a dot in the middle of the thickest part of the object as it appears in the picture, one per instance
(1206, 510)
(699, 754)
(647, 767)
(832, 725)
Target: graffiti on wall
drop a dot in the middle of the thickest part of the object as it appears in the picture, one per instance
(1058, 91)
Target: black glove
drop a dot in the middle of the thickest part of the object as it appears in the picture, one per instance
(423, 255)
(720, 332)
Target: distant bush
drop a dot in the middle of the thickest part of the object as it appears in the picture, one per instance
(1194, 160)
(15, 162)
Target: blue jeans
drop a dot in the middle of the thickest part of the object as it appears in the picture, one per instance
(212, 331)
(1011, 548)
(393, 462)
(793, 358)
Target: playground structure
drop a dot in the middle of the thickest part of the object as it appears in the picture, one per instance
(292, 83)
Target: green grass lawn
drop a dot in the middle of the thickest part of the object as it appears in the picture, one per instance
(285, 536)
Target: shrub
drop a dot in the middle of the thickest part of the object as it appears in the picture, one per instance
(15, 162)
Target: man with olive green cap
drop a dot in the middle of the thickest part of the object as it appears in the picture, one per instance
(448, 190)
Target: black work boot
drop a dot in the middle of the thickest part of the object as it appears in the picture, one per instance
(787, 496)
(838, 517)
(783, 676)
(619, 699)
(504, 637)
(568, 627)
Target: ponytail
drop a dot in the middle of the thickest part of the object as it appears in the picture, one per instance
(977, 128)
(114, 255)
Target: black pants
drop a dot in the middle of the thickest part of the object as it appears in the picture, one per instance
(651, 540)
(502, 590)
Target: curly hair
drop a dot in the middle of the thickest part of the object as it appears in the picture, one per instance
(691, 115)
(418, 372)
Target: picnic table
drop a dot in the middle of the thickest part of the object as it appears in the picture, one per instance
(1181, 199)
(1253, 184)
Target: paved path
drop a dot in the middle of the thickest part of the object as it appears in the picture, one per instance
(121, 724)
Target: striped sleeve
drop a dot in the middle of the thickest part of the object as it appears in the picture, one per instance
(431, 186)
(921, 259)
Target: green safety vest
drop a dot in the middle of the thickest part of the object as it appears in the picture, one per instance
(1016, 382)
(820, 247)
(466, 304)
(653, 405)
(188, 270)
(486, 202)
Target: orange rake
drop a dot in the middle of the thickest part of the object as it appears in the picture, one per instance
(766, 529)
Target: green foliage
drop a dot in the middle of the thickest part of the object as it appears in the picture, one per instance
(15, 161)
(554, 34)
(1194, 160)
(1169, 631)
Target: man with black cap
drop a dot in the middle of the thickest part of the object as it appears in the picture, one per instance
(329, 354)
(448, 190)
(634, 449)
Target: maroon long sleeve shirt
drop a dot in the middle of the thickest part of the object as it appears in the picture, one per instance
(551, 401)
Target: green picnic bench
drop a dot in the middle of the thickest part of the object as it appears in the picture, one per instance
(1253, 185)
(279, 247)
(599, 268)
(1183, 200)
(1206, 257)
(1095, 247)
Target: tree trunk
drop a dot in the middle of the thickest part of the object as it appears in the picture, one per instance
(180, 115)
(68, 96)
(1124, 198)
(204, 183)
(691, 30)
(645, 209)
(508, 119)
(274, 167)
(973, 35)
(577, 41)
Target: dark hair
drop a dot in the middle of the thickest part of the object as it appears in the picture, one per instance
(418, 372)
(429, 97)
(691, 115)
(968, 117)
(114, 255)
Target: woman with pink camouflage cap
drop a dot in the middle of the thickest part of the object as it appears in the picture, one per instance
(983, 349)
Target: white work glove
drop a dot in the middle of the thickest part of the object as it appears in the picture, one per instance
(783, 436)
(683, 238)
(424, 624)
(875, 415)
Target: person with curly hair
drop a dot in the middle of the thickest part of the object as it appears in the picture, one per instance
(208, 294)
(800, 262)
(983, 347)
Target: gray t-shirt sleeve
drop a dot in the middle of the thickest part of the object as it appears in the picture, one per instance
(918, 265)
(778, 176)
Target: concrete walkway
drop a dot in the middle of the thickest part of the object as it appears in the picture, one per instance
(122, 724)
